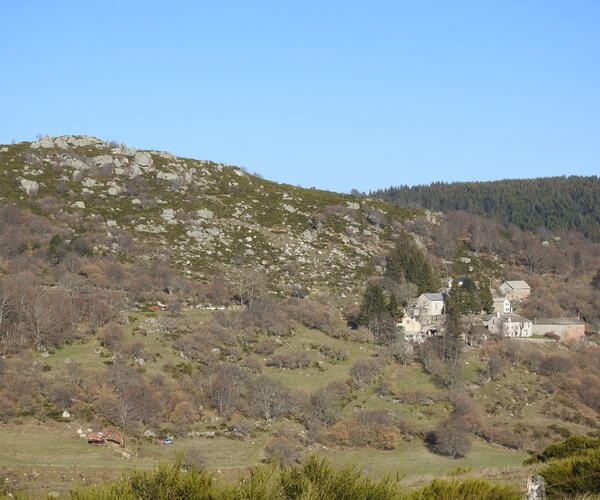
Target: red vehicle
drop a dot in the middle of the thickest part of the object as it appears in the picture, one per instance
(106, 437)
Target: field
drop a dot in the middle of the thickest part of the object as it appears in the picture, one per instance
(51, 457)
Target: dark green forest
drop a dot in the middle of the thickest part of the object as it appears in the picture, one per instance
(556, 203)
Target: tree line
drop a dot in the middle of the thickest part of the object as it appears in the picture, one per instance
(556, 203)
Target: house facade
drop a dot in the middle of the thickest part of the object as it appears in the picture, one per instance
(409, 324)
(502, 305)
(515, 290)
(510, 325)
(566, 328)
(430, 305)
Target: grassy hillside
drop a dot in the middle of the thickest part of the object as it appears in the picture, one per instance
(206, 215)
(96, 237)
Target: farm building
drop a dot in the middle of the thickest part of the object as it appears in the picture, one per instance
(515, 290)
(565, 328)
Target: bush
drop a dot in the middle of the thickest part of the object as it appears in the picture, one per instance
(316, 479)
(194, 459)
(365, 371)
(168, 481)
(451, 438)
(281, 451)
(290, 359)
(554, 364)
(570, 447)
(577, 474)
(465, 490)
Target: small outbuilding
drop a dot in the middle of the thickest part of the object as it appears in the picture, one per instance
(565, 328)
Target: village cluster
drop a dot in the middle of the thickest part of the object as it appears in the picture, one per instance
(425, 317)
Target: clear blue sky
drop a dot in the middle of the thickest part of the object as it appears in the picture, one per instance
(332, 94)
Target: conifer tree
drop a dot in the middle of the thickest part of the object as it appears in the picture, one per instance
(485, 298)
(408, 263)
(393, 307)
(373, 303)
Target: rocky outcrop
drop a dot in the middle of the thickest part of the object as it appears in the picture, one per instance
(29, 186)
(205, 212)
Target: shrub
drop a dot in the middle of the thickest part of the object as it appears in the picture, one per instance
(451, 438)
(569, 447)
(466, 489)
(281, 451)
(194, 459)
(574, 475)
(365, 371)
(317, 478)
(554, 364)
(290, 359)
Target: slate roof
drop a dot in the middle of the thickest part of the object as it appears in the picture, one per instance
(518, 285)
(515, 318)
(559, 321)
(435, 297)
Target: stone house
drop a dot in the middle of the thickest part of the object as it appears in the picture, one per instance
(430, 305)
(565, 328)
(510, 325)
(515, 290)
(502, 305)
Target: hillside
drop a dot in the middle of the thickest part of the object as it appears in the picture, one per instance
(204, 215)
(255, 322)
(556, 203)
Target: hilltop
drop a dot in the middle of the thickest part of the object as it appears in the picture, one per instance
(204, 215)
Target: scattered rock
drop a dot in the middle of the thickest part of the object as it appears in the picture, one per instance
(205, 213)
(30, 187)
(168, 176)
(143, 159)
(168, 215)
(44, 142)
(309, 236)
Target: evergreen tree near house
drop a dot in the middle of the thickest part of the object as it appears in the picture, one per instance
(374, 303)
(394, 308)
(378, 313)
(468, 298)
(463, 298)
(406, 262)
(486, 301)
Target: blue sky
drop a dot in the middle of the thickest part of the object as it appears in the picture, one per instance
(337, 94)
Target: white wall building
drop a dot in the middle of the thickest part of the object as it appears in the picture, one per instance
(502, 305)
(510, 325)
